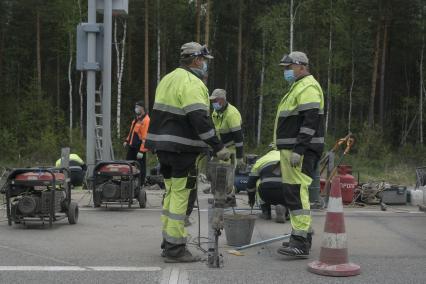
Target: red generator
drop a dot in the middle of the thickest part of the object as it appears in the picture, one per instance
(39, 195)
(118, 182)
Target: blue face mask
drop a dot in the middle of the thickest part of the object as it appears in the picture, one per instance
(289, 76)
(216, 106)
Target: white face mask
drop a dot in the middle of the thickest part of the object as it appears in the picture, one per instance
(137, 110)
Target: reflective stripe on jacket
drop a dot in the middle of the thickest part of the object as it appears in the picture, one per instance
(180, 120)
(228, 124)
(266, 172)
(138, 132)
(299, 121)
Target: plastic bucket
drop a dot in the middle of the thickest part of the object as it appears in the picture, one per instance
(238, 229)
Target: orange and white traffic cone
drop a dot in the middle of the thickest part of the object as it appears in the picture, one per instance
(333, 260)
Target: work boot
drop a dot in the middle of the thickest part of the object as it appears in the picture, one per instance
(308, 238)
(297, 247)
(280, 214)
(266, 212)
(187, 222)
(185, 258)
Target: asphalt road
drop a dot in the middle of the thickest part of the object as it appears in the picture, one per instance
(114, 245)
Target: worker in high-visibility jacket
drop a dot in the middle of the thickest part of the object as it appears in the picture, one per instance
(181, 128)
(227, 121)
(299, 135)
(265, 182)
(135, 141)
(77, 169)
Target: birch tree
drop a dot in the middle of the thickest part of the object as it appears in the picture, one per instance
(70, 37)
(120, 56)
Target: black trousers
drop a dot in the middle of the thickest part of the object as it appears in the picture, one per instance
(132, 153)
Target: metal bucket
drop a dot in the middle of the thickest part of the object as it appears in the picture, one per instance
(238, 229)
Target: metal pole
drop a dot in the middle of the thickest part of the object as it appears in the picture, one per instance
(276, 239)
(91, 88)
(106, 83)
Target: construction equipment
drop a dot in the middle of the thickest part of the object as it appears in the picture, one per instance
(221, 176)
(118, 182)
(39, 195)
(328, 160)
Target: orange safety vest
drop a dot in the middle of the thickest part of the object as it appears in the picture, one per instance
(138, 132)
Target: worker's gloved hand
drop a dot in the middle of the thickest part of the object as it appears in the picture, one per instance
(139, 155)
(295, 159)
(223, 154)
(241, 165)
(124, 144)
(251, 196)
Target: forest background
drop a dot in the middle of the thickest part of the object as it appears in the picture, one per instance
(368, 56)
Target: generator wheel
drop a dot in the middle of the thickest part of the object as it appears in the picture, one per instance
(142, 198)
(73, 213)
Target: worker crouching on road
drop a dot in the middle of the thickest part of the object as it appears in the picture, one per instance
(77, 169)
(181, 128)
(135, 141)
(227, 121)
(265, 179)
(299, 135)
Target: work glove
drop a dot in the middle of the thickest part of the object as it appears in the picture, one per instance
(223, 154)
(241, 165)
(251, 197)
(139, 155)
(295, 159)
(124, 144)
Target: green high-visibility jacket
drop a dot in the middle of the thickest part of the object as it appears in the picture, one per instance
(180, 120)
(299, 122)
(74, 160)
(266, 173)
(228, 124)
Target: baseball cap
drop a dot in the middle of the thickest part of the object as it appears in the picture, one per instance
(194, 49)
(295, 57)
(218, 94)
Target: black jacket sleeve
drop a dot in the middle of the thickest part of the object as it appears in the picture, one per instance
(309, 125)
(238, 140)
(204, 127)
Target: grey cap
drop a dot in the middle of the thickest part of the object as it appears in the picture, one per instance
(218, 94)
(194, 49)
(295, 57)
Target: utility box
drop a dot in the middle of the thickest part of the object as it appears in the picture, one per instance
(81, 61)
(394, 194)
(119, 7)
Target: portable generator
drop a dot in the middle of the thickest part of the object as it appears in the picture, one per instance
(118, 182)
(39, 195)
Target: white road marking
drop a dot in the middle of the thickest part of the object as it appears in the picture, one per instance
(82, 268)
(174, 276)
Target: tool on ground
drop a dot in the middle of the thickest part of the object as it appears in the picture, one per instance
(221, 176)
(264, 242)
(333, 260)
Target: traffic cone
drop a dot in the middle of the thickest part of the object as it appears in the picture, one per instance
(333, 260)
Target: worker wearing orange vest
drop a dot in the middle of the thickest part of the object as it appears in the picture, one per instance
(135, 141)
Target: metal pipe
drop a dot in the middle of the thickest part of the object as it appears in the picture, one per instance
(276, 239)
(91, 88)
(106, 83)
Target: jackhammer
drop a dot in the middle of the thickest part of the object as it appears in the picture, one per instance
(221, 176)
